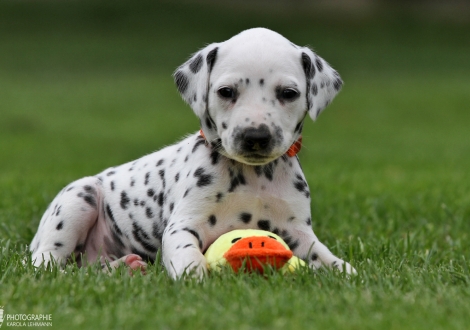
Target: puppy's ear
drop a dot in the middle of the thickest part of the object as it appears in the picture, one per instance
(323, 82)
(192, 78)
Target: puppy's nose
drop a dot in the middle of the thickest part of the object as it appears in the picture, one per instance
(256, 139)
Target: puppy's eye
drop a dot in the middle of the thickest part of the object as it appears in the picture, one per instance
(289, 94)
(226, 92)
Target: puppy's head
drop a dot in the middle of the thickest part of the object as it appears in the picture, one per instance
(253, 91)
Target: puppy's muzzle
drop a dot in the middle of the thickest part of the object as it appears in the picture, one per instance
(256, 140)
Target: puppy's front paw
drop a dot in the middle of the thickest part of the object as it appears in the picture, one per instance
(343, 266)
(192, 264)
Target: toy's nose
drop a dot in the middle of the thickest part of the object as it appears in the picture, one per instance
(255, 244)
(255, 253)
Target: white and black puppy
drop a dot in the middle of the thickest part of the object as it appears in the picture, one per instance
(251, 93)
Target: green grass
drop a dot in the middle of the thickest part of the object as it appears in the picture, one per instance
(87, 85)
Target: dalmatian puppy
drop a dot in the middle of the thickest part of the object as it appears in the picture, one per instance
(251, 94)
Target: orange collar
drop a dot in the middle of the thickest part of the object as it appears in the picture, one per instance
(293, 150)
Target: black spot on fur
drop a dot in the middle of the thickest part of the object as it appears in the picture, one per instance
(177, 177)
(215, 156)
(309, 69)
(261, 82)
(301, 185)
(161, 173)
(111, 217)
(172, 206)
(110, 173)
(314, 257)
(197, 144)
(60, 225)
(112, 185)
(337, 84)
(319, 64)
(211, 57)
(236, 180)
(288, 240)
(196, 64)
(245, 217)
(147, 177)
(157, 230)
(58, 244)
(264, 225)
(149, 212)
(247, 81)
(160, 162)
(314, 89)
(150, 192)
(186, 193)
(89, 199)
(219, 197)
(195, 234)
(224, 125)
(124, 200)
(142, 237)
(203, 179)
(268, 170)
(208, 123)
(181, 81)
(212, 220)
(309, 221)
(161, 198)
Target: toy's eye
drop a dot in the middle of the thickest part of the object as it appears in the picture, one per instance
(236, 239)
(272, 237)
(226, 92)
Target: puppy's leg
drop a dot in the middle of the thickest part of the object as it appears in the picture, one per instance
(315, 252)
(182, 252)
(65, 224)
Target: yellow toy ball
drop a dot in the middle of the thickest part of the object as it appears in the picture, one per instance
(251, 250)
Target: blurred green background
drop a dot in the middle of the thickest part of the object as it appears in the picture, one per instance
(85, 85)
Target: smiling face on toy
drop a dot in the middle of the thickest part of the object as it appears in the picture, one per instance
(250, 250)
